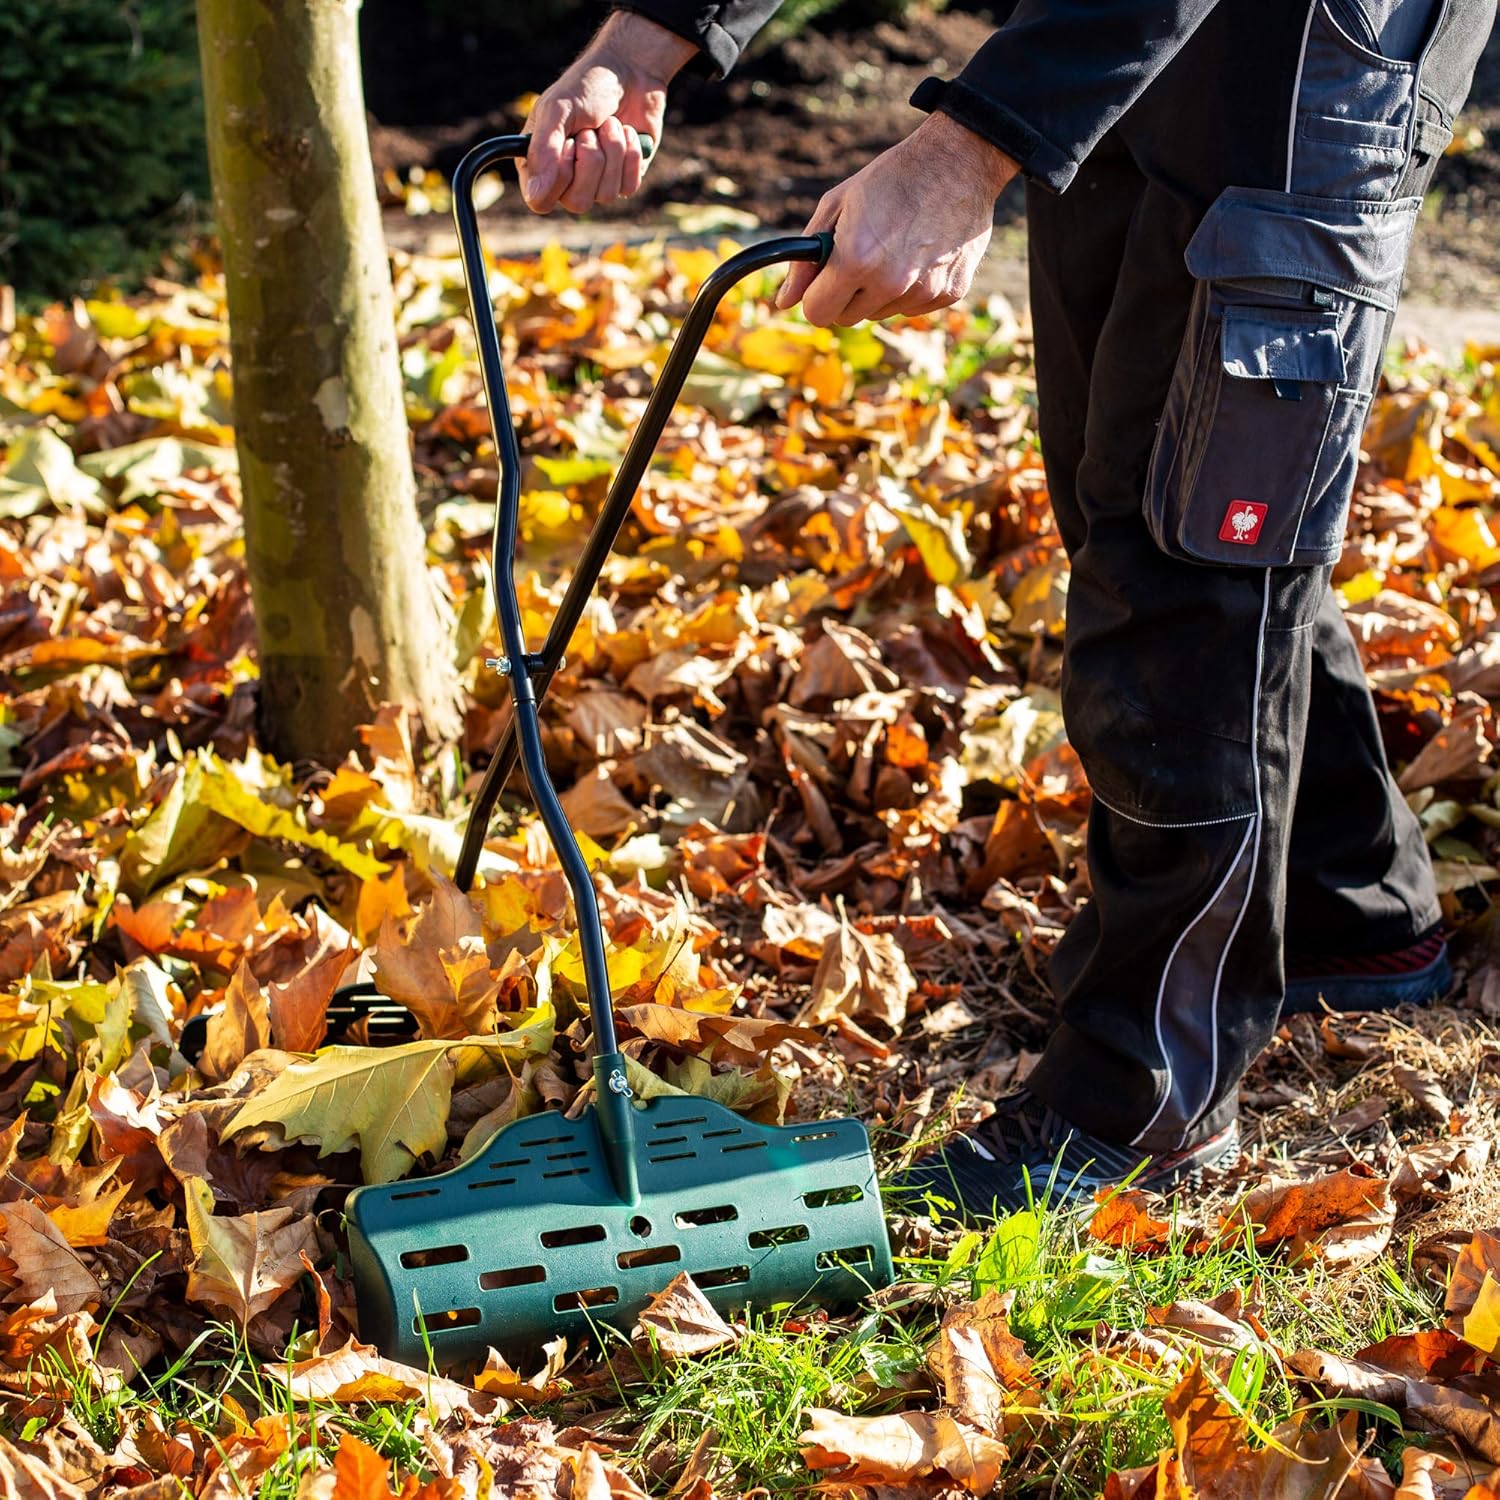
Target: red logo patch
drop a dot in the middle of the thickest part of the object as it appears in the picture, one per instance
(1242, 522)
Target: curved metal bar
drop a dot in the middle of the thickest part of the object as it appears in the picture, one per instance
(530, 676)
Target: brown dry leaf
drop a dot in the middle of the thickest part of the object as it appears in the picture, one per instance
(1344, 1218)
(1427, 1405)
(1215, 1324)
(1125, 1220)
(1458, 752)
(860, 974)
(298, 1007)
(1472, 1308)
(45, 1264)
(497, 1378)
(1435, 1170)
(968, 1381)
(359, 1372)
(240, 1459)
(243, 1265)
(438, 967)
(989, 1317)
(681, 1322)
(23, 1476)
(902, 1449)
(242, 1027)
(360, 1473)
(1427, 1092)
(1213, 1457)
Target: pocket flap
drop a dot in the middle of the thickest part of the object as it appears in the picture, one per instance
(1354, 247)
(1274, 346)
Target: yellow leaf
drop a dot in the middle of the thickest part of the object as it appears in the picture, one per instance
(557, 273)
(938, 538)
(783, 347)
(1481, 1324)
(88, 1223)
(826, 380)
(390, 1102)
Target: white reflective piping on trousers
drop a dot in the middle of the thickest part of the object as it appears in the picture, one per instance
(1252, 830)
(1166, 974)
(1291, 126)
(1258, 825)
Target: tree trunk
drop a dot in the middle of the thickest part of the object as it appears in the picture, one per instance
(346, 612)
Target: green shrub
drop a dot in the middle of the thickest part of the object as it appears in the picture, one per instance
(101, 136)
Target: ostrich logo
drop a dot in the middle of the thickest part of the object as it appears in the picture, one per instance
(1242, 522)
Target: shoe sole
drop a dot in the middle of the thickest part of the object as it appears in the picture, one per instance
(1347, 993)
(1186, 1169)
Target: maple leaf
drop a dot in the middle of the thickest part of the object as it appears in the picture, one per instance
(243, 1265)
(390, 1102)
(438, 966)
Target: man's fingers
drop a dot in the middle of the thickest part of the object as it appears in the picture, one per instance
(634, 169)
(588, 168)
(612, 141)
(795, 286)
(804, 272)
(542, 176)
(850, 287)
(926, 294)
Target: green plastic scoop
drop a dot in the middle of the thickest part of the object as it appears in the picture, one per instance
(561, 1224)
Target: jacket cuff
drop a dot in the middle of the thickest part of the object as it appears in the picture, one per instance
(719, 48)
(1037, 157)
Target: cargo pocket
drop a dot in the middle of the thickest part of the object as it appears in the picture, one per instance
(1258, 446)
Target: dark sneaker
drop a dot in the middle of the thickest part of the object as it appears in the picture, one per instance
(1416, 975)
(986, 1172)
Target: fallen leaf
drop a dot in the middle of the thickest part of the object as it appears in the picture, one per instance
(680, 1321)
(390, 1102)
(359, 1372)
(44, 1263)
(1473, 1304)
(243, 1265)
(901, 1449)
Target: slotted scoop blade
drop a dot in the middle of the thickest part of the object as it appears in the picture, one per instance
(531, 1239)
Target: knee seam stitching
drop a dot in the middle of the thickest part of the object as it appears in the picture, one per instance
(1191, 823)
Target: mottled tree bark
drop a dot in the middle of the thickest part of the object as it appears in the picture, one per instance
(346, 613)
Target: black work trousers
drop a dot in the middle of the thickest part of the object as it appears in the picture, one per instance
(1212, 298)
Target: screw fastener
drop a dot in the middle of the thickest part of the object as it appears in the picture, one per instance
(500, 664)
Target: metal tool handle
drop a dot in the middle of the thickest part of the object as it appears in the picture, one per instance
(529, 674)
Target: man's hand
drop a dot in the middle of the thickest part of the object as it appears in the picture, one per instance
(909, 229)
(586, 129)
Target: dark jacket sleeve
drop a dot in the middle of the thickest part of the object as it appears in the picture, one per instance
(1059, 73)
(1044, 88)
(721, 28)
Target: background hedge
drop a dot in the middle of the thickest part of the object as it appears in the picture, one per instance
(101, 137)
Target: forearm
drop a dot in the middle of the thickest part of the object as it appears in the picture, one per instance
(720, 31)
(656, 51)
(1059, 73)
